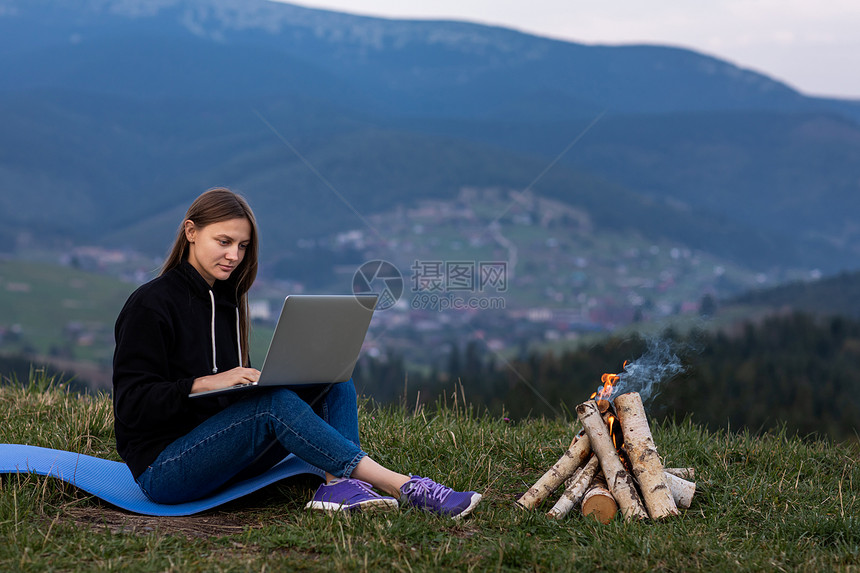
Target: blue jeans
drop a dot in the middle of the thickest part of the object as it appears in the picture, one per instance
(317, 424)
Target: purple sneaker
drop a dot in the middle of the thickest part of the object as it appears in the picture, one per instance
(350, 495)
(426, 494)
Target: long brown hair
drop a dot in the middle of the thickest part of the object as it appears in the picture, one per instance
(213, 206)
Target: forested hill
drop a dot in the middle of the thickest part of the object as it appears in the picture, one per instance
(794, 369)
(791, 371)
(836, 295)
(117, 112)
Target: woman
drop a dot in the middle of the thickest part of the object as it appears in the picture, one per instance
(186, 331)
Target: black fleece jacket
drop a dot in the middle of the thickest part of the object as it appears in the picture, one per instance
(163, 342)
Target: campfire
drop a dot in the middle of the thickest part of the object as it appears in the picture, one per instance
(612, 464)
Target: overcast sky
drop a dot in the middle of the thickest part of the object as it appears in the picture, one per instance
(813, 45)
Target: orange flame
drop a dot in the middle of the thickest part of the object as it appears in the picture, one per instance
(603, 396)
(604, 393)
(610, 422)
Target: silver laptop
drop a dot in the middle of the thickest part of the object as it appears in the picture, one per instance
(317, 341)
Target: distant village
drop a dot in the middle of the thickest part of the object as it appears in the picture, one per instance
(509, 269)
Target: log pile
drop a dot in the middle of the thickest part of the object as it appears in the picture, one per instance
(603, 477)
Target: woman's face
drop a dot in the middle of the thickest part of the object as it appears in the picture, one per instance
(217, 249)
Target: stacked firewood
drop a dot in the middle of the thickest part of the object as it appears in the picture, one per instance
(603, 476)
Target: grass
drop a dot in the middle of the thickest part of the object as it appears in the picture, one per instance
(765, 503)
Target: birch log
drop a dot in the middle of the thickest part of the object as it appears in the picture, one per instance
(574, 457)
(684, 473)
(682, 490)
(644, 459)
(573, 493)
(620, 482)
(598, 501)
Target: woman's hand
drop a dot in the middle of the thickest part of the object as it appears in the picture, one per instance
(232, 377)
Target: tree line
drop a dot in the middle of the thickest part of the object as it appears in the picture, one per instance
(796, 370)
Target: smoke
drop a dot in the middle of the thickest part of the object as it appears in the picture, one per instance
(646, 374)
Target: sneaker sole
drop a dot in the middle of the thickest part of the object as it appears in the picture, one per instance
(476, 499)
(372, 505)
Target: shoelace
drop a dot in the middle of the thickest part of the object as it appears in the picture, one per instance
(364, 485)
(429, 489)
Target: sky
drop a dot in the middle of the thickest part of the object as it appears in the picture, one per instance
(812, 45)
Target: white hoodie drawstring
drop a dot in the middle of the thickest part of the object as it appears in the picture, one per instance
(212, 334)
(212, 326)
(239, 338)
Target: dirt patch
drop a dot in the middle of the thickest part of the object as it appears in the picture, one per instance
(252, 511)
(214, 524)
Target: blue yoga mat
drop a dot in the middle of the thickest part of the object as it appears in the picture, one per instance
(112, 481)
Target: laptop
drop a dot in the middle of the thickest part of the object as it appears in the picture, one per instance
(317, 341)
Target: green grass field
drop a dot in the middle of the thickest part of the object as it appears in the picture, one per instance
(764, 503)
(60, 308)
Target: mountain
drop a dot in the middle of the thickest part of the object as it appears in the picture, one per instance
(181, 48)
(783, 175)
(116, 113)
